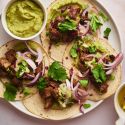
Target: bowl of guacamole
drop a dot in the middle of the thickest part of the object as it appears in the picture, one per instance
(24, 19)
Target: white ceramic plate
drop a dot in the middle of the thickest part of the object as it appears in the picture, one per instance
(115, 41)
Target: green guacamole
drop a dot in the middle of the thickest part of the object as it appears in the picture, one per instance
(24, 18)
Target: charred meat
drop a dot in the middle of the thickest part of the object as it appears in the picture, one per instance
(11, 56)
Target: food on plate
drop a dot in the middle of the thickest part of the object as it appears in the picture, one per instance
(94, 60)
(24, 18)
(121, 98)
(59, 93)
(21, 65)
(69, 20)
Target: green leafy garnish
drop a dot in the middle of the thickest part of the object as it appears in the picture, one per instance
(10, 92)
(23, 68)
(57, 72)
(26, 91)
(41, 84)
(68, 25)
(112, 77)
(99, 73)
(92, 49)
(95, 23)
(107, 32)
(84, 83)
(86, 106)
(104, 17)
(73, 51)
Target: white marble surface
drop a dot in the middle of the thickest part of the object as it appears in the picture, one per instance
(103, 115)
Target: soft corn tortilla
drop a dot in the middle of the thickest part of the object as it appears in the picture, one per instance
(56, 52)
(35, 105)
(18, 45)
(113, 84)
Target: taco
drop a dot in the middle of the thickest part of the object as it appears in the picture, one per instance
(69, 20)
(59, 97)
(21, 65)
(97, 64)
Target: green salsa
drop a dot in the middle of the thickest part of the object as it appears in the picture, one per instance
(24, 18)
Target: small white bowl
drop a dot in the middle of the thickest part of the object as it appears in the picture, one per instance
(120, 112)
(4, 22)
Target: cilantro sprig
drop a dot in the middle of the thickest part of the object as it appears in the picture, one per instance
(10, 92)
(67, 25)
(57, 72)
(107, 32)
(73, 51)
(23, 67)
(41, 84)
(99, 73)
(95, 23)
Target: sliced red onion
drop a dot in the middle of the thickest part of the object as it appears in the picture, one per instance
(84, 13)
(117, 61)
(30, 75)
(68, 84)
(81, 109)
(26, 53)
(109, 72)
(19, 53)
(40, 56)
(76, 87)
(90, 55)
(31, 50)
(101, 59)
(83, 75)
(83, 29)
(34, 81)
(30, 62)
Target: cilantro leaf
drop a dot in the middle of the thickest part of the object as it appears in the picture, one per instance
(41, 84)
(57, 72)
(10, 92)
(99, 73)
(73, 51)
(86, 106)
(95, 23)
(84, 83)
(23, 67)
(104, 17)
(67, 25)
(92, 49)
(107, 32)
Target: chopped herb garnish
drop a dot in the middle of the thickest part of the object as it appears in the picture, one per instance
(107, 32)
(86, 106)
(95, 23)
(41, 84)
(10, 92)
(112, 77)
(23, 68)
(57, 72)
(73, 51)
(84, 83)
(99, 73)
(103, 16)
(92, 49)
(26, 91)
(67, 25)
